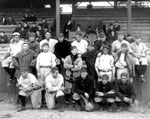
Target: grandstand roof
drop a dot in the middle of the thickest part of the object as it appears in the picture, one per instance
(37, 3)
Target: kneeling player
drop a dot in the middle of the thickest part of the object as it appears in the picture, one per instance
(83, 91)
(105, 94)
(29, 86)
(125, 92)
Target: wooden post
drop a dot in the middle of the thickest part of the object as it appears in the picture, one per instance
(57, 17)
(129, 11)
(115, 4)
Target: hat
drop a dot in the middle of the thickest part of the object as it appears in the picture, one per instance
(16, 34)
(124, 74)
(31, 34)
(124, 45)
(83, 70)
(105, 76)
(73, 47)
(25, 43)
(105, 46)
(102, 35)
(45, 43)
(60, 35)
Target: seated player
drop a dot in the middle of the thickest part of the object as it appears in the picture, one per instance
(138, 50)
(105, 94)
(83, 91)
(29, 86)
(14, 48)
(124, 91)
(54, 88)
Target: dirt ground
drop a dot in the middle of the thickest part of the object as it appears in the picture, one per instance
(9, 110)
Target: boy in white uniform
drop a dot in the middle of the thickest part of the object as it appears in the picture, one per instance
(105, 64)
(54, 88)
(45, 61)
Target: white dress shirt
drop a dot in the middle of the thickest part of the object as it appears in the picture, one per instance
(81, 46)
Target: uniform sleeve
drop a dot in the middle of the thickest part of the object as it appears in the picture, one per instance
(53, 60)
(97, 64)
(38, 62)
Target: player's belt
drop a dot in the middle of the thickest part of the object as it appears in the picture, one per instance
(104, 70)
(45, 66)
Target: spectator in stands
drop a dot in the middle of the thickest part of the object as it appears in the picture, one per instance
(104, 64)
(73, 65)
(83, 90)
(85, 37)
(52, 42)
(125, 92)
(18, 28)
(116, 26)
(3, 38)
(73, 39)
(14, 48)
(34, 27)
(117, 44)
(89, 30)
(23, 33)
(124, 62)
(41, 31)
(62, 49)
(25, 18)
(32, 17)
(105, 93)
(80, 43)
(29, 86)
(111, 33)
(39, 37)
(130, 38)
(45, 61)
(78, 28)
(3, 20)
(44, 24)
(138, 50)
(11, 21)
(54, 85)
(26, 27)
(68, 27)
(25, 59)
